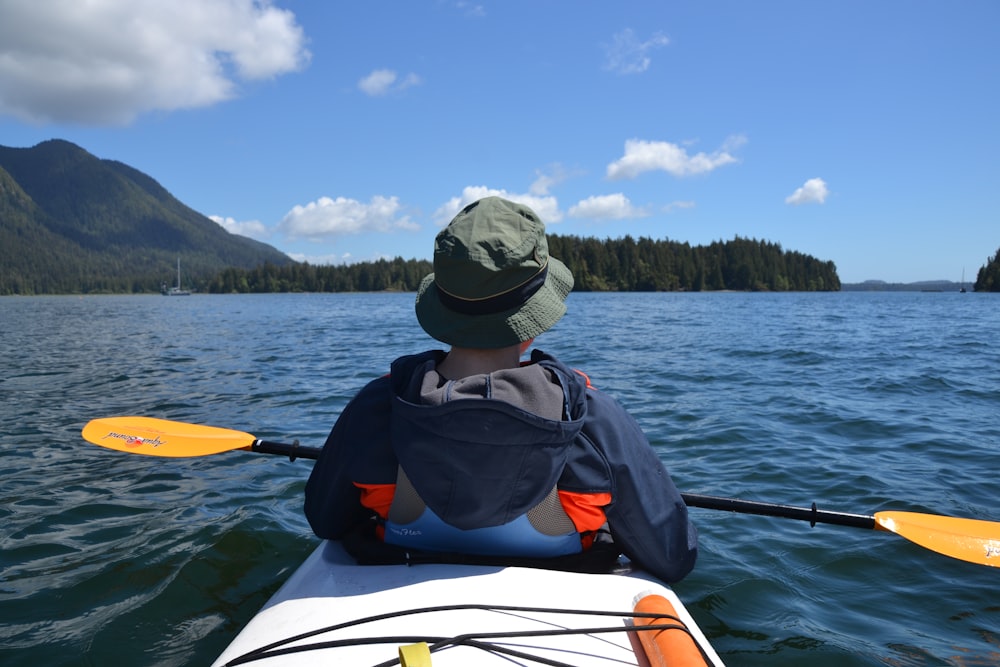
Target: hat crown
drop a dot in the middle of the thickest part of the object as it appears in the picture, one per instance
(490, 248)
(494, 284)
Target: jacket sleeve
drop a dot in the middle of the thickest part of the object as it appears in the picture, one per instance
(357, 449)
(647, 516)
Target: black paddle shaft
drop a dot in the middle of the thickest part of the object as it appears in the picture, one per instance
(292, 451)
(810, 514)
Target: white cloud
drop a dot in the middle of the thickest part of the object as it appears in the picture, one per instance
(322, 260)
(104, 63)
(325, 218)
(471, 9)
(339, 260)
(547, 207)
(607, 207)
(642, 156)
(254, 229)
(628, 55)
(814, 191)
(548, 179)
(674, 205)
(384, 81)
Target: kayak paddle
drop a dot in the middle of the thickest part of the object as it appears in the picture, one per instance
(971, 540)
(161, 437)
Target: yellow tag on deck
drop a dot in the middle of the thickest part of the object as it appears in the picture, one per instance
(415, 655)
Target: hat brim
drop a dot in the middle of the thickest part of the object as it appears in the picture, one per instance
(495, 330)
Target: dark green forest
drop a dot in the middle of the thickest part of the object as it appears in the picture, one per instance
(626, 264)
(988, 278)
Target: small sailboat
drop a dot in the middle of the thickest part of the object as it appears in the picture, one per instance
(177, 291)
(962, 288)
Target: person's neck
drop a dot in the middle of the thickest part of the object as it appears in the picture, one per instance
(462, 362)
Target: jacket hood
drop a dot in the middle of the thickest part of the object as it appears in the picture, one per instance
(483, 461)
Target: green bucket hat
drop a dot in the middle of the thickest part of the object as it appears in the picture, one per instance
(494, 284)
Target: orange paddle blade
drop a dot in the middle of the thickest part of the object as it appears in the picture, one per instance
(970, 540)
(160, 437)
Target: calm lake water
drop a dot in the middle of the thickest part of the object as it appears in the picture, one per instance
(857, 401)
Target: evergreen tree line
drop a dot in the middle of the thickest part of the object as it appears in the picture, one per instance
(646, 265)
(382, 275)
(988, 279)
(624, 265)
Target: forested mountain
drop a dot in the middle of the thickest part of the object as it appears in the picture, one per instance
(988, 278)
(623, 265)
(73, 223)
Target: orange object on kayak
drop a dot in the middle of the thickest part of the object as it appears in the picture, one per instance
(672, 646)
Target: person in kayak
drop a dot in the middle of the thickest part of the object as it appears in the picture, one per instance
(473, 451)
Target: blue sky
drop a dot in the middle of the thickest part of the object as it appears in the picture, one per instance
(866, 133)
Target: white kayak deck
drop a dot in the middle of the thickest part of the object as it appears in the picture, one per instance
(330, 589)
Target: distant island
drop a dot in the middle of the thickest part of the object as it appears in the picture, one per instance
(987, 280)
(920, 286)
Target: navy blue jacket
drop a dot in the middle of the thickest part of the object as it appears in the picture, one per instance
(483, 462)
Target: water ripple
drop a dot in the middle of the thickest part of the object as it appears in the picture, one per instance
(858, 402)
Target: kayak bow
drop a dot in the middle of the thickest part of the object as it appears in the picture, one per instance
(334, 611)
